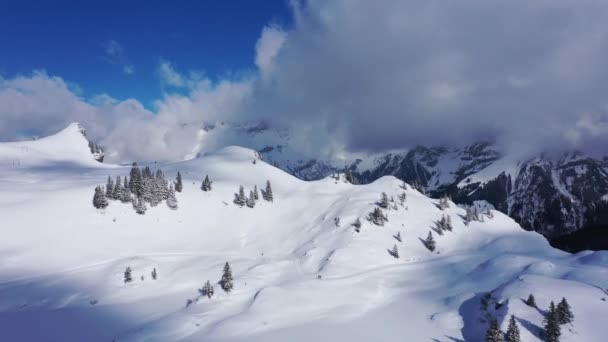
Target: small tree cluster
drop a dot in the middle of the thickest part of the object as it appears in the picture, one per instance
(267, 192)
(349, 177)
(402, 198)
(445, 223)
(207, 290)
(241, 200)
(127, 276)
(206, 186)
(377, 217)
(429, 242)
(139, 205)
(419, 187)
(471, 215)
(444, 202)
(227, 281)
(551, 328)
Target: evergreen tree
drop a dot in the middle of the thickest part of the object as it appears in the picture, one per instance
(250, 202)
(348, 176)
(207, 290)
(512, 334)
(109, 188)
(564, 314)
(135, 181)
(125, 197)
(256, 194)
(206, 186)
(99, 198)
(227, 281)
(383, 203)
(178, 182)
(402, 198)
(128, 277)
(239, 198)
(531, 301)
(117, 192)
(494, 334)
(357, 225)
(267, 193)
(430, 242)
(377, 217)
(154, 275)
(551, 330)
(398, 236)
(395, 251)
(139, 205)
(337, 221)
(171, 200)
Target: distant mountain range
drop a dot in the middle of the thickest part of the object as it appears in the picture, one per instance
(553, 196)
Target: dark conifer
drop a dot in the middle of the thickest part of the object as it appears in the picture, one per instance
(127, 276)
(178, 182)
(494, 334)
(564, 313)
(206, 186)
(227, 281)
(267, 193)
(512, 334)
(430, 242)
(551, 329)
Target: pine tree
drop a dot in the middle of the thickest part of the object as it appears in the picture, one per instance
(178, 182)
(117, 192)
(227, 281)
(171, 200)
(402, 198)
(125, 196)
(531, 301)
(267, 193)
(250, 202)
(430, 242)
(383, 203)
(207, 290)
(395, 251)
(154, 275)
(494, 334)
(109, 187)
(377, 217)
(551, 330)
(564, 314)
(206, 186)
(256, 194)
(139, 205)
(398, 236)
(128, 277)
(512, 334)
(136, 181)
(99, 198)
(239, 198)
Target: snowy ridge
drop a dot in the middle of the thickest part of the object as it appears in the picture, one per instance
(297, 274)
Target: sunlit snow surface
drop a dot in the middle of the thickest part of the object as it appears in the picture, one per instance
(298, 277)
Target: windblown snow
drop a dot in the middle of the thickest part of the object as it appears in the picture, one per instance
(298, 275)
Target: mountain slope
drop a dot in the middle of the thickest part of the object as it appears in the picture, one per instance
(298, 275)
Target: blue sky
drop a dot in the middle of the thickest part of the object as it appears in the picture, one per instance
(115, 47)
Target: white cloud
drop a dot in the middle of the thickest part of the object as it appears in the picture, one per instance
(267, 47)
(115, 54)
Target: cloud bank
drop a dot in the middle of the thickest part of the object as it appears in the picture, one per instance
(363, 76)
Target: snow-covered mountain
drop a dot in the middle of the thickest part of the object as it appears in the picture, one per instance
(553, 196)
(301, 270)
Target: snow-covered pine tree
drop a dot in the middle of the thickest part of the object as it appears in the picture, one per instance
(171, 200)
(127, 275)
(383, 203)
(99, 198)
(564, 313)
(512, 334)
(227, 281)
(178, 182)
(136, 181)
(139, 205)
(125, 196)
(551, 329)
(357, 225)
(395, 251)
(531, 301)
(430, 242)
(493, 334)
(117, 192)
(239, 198)
(206, 186)
(250, 201)
(207, 289)
(256, 194)
(267, 193)
(109, 188)
(154, 274)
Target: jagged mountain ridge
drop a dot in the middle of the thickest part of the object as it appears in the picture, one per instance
(553, 196)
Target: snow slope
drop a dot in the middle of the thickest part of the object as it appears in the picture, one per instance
(298, 276)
